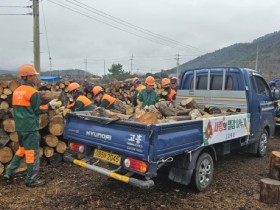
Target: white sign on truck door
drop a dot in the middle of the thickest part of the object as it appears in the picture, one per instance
(223, 128)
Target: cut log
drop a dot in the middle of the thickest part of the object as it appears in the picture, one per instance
(274, 170)
(165, 110)
(154, 110)
(50, 140)
(46, 96)
(9, 125)
(195, 113)
(56, 129)
(61, 147)
(148, 118)
(5, 114)
(43, 121)
(6, 154)
(4, 138)
(48, 151)
(123, 108)
(4, 105)
(14, 84)
(13, 136)
(189, 103)
(13, 145)
(270, 191)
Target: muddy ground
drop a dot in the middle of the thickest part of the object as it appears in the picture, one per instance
(235, 186)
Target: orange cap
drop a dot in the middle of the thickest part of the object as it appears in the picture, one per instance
(27, 70)
(96, 90)
(165, 81)
(73, 86)
(150, 80)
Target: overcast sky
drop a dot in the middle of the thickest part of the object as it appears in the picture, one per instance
(153, 31)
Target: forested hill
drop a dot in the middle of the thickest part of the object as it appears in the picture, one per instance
(244, 55)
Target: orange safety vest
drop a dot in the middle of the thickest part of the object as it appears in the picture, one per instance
(171, 94)
(108, 98)
(22, 95)
(84, 100)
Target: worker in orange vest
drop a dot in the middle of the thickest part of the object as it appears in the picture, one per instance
(166, 87)
(103, 99)
(148, 96)
(137, 87)
(82, 103)
(26, 107)
(174, 83)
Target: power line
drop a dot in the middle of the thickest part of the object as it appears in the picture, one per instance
(132, 26)
(17, 6)
(153, 39)
(18, 14)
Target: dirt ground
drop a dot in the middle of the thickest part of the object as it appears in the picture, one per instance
(235, 186)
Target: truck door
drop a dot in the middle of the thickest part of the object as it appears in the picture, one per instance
(261, 107)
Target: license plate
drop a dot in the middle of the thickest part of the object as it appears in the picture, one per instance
(277, 119)
(107, 156)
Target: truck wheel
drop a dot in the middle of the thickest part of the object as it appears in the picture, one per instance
(262, 146)
(203, 173)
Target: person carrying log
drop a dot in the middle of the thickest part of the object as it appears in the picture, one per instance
(103, 99)
(138, 87)
(81, 102)
(148, 96)
(174, 83)
(167, 93)
(26, 107)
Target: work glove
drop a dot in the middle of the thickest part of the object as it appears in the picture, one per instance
(55, 103)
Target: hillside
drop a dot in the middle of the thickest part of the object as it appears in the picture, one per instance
(244, 55)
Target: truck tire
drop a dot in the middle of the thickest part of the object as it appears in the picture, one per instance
(203, 172)
(262, 145)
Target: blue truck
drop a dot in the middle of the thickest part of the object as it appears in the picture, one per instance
(188, 149)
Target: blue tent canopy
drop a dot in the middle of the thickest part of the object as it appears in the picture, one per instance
(50, 79)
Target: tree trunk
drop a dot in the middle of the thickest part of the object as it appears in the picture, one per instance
(274, 171)
(6, 154)
(270, 191)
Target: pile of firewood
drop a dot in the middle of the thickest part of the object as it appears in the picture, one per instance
(166, 111)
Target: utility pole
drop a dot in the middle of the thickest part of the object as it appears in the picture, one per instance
(131, 64)
(36, 35)
(257, 57)
(178, 63)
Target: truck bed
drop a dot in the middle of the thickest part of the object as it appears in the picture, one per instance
(129, 138)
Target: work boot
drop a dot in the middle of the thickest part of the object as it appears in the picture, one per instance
(8, 178)
(36, 183)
